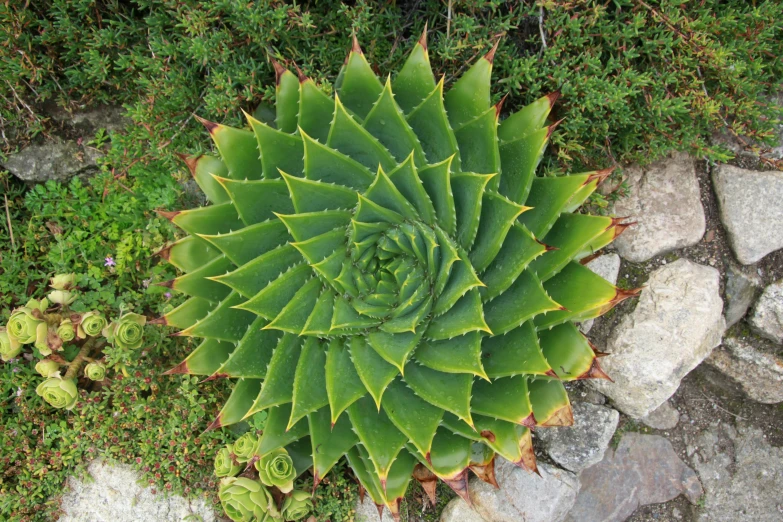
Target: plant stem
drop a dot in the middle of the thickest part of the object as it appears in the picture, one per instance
(75, 365)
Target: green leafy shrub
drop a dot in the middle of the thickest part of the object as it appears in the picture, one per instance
(638, 78)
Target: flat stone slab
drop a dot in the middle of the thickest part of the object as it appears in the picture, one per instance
(665, 201)
(751, 210)
(114, 495)
(55, 159)
(643, 470)
(523, 496)
(580, 446)
(676, 324)
(760, 374)
(742, 475)
(767, 318)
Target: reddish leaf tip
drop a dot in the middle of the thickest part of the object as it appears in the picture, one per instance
(166, 284)
(490, 56)
(423, 37)
(355, 47)
(214, 425)
(164, 253)
(562, 417)
(279, 70)
(211, 126)
(168, 214)
(190, 161)
(459, 484)
(553, 97)
(215, 376)
(551, 373)
(159, 321)
(595, 372)
(600, 175)
(529, 421)
(302, 76)
(178, 369)
(499, 106)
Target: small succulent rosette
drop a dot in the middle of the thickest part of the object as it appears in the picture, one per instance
(27, 325)
(297, 505)
(63, 282)
(58, 392)
(245, 500)
(9, 346)
(90, 324)
(95, 371)
(61, 297)
(47, 367)
(126, 332)
(245, 447)
(66, 330)
(276, 469)
(225, 465)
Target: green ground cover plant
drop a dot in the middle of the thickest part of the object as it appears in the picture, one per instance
(637, 79)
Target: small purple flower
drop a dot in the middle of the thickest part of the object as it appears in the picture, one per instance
(19, 392)
(167, 295)
(109, 261)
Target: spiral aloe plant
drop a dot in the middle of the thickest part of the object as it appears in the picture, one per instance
(384, 273)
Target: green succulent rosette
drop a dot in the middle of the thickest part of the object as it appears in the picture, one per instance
(66, 330)
(63, 281)
(58, 392)
(385, 275)
(245, 447)
(27, 325)
(95, 371)
(297, 505)
(126, 332)
(91, 325)
(9, 346)
(276, 468)
(47, 367)
(61, 297)
(225, 466)
(244, 499)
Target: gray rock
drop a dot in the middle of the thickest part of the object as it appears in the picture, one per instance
(665, 417)
(759, 374)
(741, 289)
(54, 159)
(665, 202)
(767, 317)
(675, 326)
(457, 511)
(522, 495)
(89, 120)
(750, 210)
(743, 477)
(608, 267)
(643, 470)
(367, 511)
(114, 495)
(580, 446)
